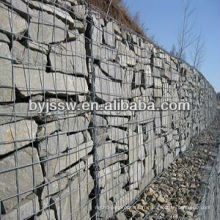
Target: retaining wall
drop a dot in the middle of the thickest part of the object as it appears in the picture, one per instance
(84, 164)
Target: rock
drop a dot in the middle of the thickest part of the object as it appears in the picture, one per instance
(69, 57)
(54, 185)
(157, 83)
(61, 162)
(28, 57)
(56, 83)
(11, 22)
(4, 38)
(118, 135)
(6, 86)
(68, 125)
(21, 132)
(158, 62)
(27, 207)
(193, 186)
(109, 173)
(26, 179)
(113, 70)
(111, 160)
(136, 146)
(121, 216)
(74, 124)
(161, 199)
(53, 145)
(106, 150)
(76, 139)
(158, 93)
(109, 36)
(15, 112)
(106, 89)
(117, 121)
(136, 172)
(79, 11)
(125, 56)
(46, 28)
(150, 192)
(75, 198)
(51, 9)
(46, 215)
(20, 7)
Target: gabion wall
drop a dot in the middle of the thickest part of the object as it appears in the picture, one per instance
(86, 164)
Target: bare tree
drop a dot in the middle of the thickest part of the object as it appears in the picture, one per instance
(198, 52)
(173, 50)
(186, 36)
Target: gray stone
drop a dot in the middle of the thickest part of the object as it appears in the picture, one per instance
(175, 76)
(27, 178)
(108, 174)
(51, 9)
(46, 28)
(111, 160)
(158, 62)
(74, 124)
(6, 94)
(27, 208)
(75, 139)
(60, 162)
(20, 7)
(136, 145)
(35, 81)
(157, 83)
(109, 34)
(79, 11)
(54, 185)
(11, 22)
(75, 198)
(15, 112)
(118, 135)
(158, 93)
(125, 56)
(4, 38)
(105, 88)
(68, 125)
(16, 135)
(121, 216)
(106, 150)
(69, 57)
(113, 70)
(144, 117)
(159, 159)
(53, 145)
(46, 215)
(136, 172)
(117, 121)
(28, 57)
(168, 159)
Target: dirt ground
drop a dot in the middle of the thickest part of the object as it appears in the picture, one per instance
(178, 192)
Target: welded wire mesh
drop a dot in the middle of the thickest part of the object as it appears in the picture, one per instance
(86, 164)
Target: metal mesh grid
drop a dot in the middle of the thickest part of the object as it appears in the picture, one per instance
(86, 164)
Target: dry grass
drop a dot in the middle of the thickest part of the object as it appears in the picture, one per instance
(119, 12)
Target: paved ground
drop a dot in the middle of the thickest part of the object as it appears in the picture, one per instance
(186, 189)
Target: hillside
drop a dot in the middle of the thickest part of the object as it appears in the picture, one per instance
(119, 11)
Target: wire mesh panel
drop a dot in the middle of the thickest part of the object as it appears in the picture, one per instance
(45, 145)
(73, 143)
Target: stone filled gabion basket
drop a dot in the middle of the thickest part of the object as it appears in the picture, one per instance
(86, 164)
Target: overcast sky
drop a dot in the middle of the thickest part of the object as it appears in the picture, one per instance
(163, 20)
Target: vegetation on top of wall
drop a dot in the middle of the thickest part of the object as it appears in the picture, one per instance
(120, 12)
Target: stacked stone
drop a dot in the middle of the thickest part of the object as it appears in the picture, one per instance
(131, 68)
(56, 51)
(45, 158)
